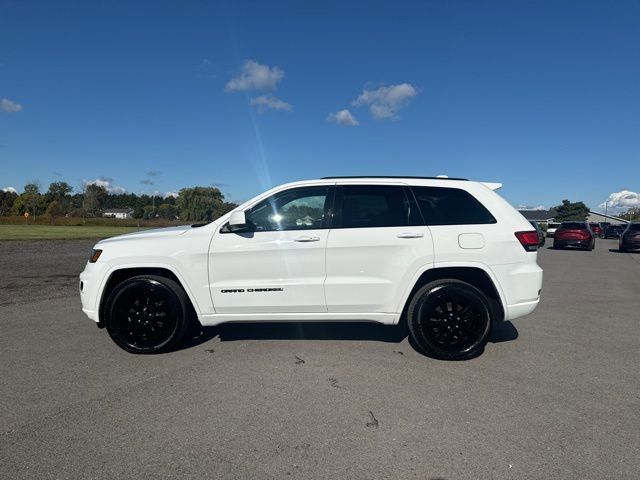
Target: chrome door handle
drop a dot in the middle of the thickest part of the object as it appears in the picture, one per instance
(306, 238)
(410, 235)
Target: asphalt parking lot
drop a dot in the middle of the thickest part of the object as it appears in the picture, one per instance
(555, 394)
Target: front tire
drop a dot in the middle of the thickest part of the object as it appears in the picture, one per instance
(147, 314)
(449, 319)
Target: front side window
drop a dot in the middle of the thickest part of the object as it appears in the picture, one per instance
(295, 209)
(368, 206)
(450, 206)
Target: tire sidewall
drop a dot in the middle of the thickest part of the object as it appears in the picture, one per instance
(439, 287)
(165, 285)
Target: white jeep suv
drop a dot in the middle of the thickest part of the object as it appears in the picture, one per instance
(448, 255)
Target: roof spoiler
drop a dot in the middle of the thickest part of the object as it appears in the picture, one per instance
(492, 186)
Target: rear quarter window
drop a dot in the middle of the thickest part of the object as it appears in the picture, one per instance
(450, 206)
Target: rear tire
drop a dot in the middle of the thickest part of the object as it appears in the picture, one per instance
(556, 246)
(147, 314)
(449, 319)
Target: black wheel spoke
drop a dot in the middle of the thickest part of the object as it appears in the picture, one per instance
(144, 315)
(453, 320)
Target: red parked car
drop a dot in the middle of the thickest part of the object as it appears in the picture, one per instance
(574, 234)
(596, 229)
(630, 238)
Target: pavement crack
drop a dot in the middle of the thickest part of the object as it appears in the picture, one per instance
(334, 383)
(298, 360)
(374, 421)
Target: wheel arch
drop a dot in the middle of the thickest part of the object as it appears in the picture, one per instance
(120, 274)
(477, 275)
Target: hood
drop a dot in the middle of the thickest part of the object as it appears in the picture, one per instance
(154, 233)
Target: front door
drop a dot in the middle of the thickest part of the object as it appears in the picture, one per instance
(278, 264)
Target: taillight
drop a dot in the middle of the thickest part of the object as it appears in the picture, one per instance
(529, 240)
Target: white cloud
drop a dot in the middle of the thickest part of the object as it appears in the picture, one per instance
(170, 194)
(622, 199)
(266, 102)
(531, 208)
(9, 189)
(8, 106)
(343, 117)
(255, 76)
(106, 183)
(386, 102)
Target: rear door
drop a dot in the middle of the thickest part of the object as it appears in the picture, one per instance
(376, 244)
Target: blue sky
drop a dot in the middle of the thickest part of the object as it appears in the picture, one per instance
(541, 96)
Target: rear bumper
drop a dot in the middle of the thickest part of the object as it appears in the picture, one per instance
(521, 285)
(521, 309)
(572, 243)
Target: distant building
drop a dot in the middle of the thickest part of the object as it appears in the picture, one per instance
(543, 217)
(597, 217)
(121, 213)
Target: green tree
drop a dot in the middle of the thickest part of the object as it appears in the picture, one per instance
(30, 200)
(633, 214)
(54, 210)
(60, 192)
(167, 211)
(138, 212)
(6, 201)
(200, 204)
(32, 188)
(94, 199)
(149, 212)
(566, 211)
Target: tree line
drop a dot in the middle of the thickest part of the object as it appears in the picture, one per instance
(578, 211)
(194, 204)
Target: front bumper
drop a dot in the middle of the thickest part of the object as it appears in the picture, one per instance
(90, 286)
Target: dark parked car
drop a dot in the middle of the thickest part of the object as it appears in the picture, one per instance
(541, 235)
(574, 234)
(596, 229)
(613, 231)
(630, 238)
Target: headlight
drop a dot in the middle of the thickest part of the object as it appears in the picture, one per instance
(95, 255)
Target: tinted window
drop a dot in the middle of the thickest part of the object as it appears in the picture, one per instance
(574, 225)
(295, 209)
(450, 206)
(634, 227)
(361, 206)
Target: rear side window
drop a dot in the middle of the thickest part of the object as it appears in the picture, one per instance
(450, 206)
(369, 206)
(634, 227)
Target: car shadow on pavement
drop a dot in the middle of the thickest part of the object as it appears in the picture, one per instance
(368, 331)
(615, 250)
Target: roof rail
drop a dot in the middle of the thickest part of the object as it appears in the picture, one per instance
(395, 176)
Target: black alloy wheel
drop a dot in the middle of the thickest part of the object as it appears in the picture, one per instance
(450, 319)
(146, 314)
